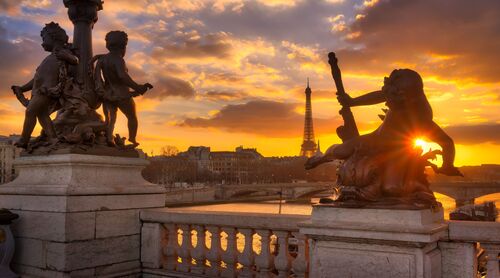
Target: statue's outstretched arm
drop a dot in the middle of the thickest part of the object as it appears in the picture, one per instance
(438, 135)
(19, 90)
(121, 69)
(28, 86)
(369, 99)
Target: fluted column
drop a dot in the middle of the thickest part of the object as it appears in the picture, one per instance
(83, 14)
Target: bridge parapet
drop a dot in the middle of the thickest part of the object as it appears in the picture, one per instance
(259, 242)
(270, 235)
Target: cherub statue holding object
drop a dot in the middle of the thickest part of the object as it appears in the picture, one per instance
(114, 89)
(384, 166)
(47, 84)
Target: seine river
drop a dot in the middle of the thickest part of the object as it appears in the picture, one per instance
(305, 209)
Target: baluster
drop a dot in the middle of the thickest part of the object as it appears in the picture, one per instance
(230, 256)
(246, 258)
(492, 250)
(282, 262)
(170, 251)
(185, 249)
(214, 253)
(301, 262)
(264, 260)
(199, 252)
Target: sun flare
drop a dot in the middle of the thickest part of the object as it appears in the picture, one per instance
(420, 143)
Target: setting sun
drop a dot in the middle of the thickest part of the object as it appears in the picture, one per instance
(420, 143)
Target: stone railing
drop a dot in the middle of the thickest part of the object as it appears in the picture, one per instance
(177, 243)
(467, 244)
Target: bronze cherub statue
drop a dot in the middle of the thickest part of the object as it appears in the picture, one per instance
(47, 85)
(383, 168)
(114, 89)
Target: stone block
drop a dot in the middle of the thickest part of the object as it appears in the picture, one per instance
(30, 252)
(458, 259)
(348, 262)
(152, 236)
(115, 202)
(29, 271)
(85, 254)
(362, 243)
(119, 269)
(418, 226)
(117, 223)
(81, 203)
(53, 226)
(77, 174)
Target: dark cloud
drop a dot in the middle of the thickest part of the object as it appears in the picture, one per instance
(449, 38)
(192, 46)
(265, 118)
(475, 134)
(9, 5)
(305, 22)
(171, 86)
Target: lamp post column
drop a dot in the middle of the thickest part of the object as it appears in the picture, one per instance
(83, 14)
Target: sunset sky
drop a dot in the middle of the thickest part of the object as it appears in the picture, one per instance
(233, 72)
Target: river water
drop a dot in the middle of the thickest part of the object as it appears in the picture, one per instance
(305, 209)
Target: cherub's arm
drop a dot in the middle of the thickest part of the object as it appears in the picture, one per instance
(369, 99)
(28, 86)
(67, 56)
(438, 135)
(19, 90)
(121, 70)
(366, 99)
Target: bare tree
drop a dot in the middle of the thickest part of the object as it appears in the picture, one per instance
(169, 150)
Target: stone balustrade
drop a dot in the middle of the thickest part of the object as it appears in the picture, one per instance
(177, 243)
(465, 242)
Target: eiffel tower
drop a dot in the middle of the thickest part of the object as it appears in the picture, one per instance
(308, 147)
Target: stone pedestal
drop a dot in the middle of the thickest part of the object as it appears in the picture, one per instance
(79, 214)
(351, 242)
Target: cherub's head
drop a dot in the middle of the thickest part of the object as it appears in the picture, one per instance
(53, 36)
(117, 41)
(402, 86)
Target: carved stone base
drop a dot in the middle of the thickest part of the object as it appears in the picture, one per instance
(353, 242)
(78, 214)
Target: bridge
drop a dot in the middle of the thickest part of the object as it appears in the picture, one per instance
(249, 192)
(465, 192)
(462, 192)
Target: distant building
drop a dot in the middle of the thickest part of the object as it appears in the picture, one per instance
(8, 152)
(198, 154)
(238, 167)
(169, 170)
